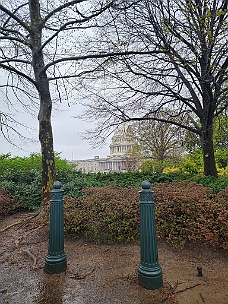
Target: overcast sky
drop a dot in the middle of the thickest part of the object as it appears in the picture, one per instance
(66, 129)
(66, 133)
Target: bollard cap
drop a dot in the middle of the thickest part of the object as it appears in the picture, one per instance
(57, 185)
(146, 185)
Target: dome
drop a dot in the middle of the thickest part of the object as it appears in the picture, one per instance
(120, 142)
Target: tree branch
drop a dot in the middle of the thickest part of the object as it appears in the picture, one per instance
(15, 39)
(61, 7)
(101, 55)
(16, 71)
(196, 131)
(85, 19)
(13, 16)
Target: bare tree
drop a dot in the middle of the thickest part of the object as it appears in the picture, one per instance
(158, 141)
(190, 78)
(43, 45)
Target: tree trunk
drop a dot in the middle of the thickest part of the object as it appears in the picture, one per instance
(46, 142)
(208, 150)
(44, 117)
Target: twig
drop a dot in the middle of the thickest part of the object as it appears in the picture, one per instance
(187, 288)
(11, 225)
(24, 222)
(171, 290)
(202, 298)
(80, 277)
(29, 254)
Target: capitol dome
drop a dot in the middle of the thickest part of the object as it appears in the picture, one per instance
(120, 142)
(119, 159)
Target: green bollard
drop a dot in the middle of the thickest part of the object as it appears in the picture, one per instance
(56, 258)
(149, 270)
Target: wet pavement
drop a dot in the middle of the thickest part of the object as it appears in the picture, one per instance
(23, 285)
(104, 274)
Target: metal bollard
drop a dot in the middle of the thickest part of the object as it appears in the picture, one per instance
(56, 258)
(149, 270)
(200, 273)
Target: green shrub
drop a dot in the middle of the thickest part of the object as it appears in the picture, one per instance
(24, 187)
(216, 184)
(221, 157)
(20, 177)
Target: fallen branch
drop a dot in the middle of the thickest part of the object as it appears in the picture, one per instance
(202, 298)
(30, 255)
(9, 226)
(26, 221)
(173, 288)
(172, 291)
(78, 276)
(21, 223)
(187, 288)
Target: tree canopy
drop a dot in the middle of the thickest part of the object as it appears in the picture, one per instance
(189, 78)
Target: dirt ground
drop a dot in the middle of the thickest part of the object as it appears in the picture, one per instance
(103, 274)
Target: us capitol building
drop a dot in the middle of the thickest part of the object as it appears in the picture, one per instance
(119, 159)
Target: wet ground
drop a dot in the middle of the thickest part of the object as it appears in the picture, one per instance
(104, 274)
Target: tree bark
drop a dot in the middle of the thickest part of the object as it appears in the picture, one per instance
(46, 142)
(44, 117)
(208, 150)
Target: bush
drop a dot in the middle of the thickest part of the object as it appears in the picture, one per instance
(105, 214)
(105, 207)
(185, 211)
(20, 177)
(221, 157)
(6, 203)
(223, 172)
(177, 208)
(216, 184)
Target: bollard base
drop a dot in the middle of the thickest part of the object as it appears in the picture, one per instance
(150, 279)
(55, 268)
(151, 283)
(55, 265)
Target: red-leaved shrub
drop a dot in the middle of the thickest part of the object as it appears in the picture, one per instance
(6, 203)
(185, 211)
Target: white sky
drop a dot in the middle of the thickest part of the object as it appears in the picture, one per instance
(67, 139)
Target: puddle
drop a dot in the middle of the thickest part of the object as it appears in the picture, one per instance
(53, 289)
(29, 287)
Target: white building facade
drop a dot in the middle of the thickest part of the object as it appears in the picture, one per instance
(118, 160)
